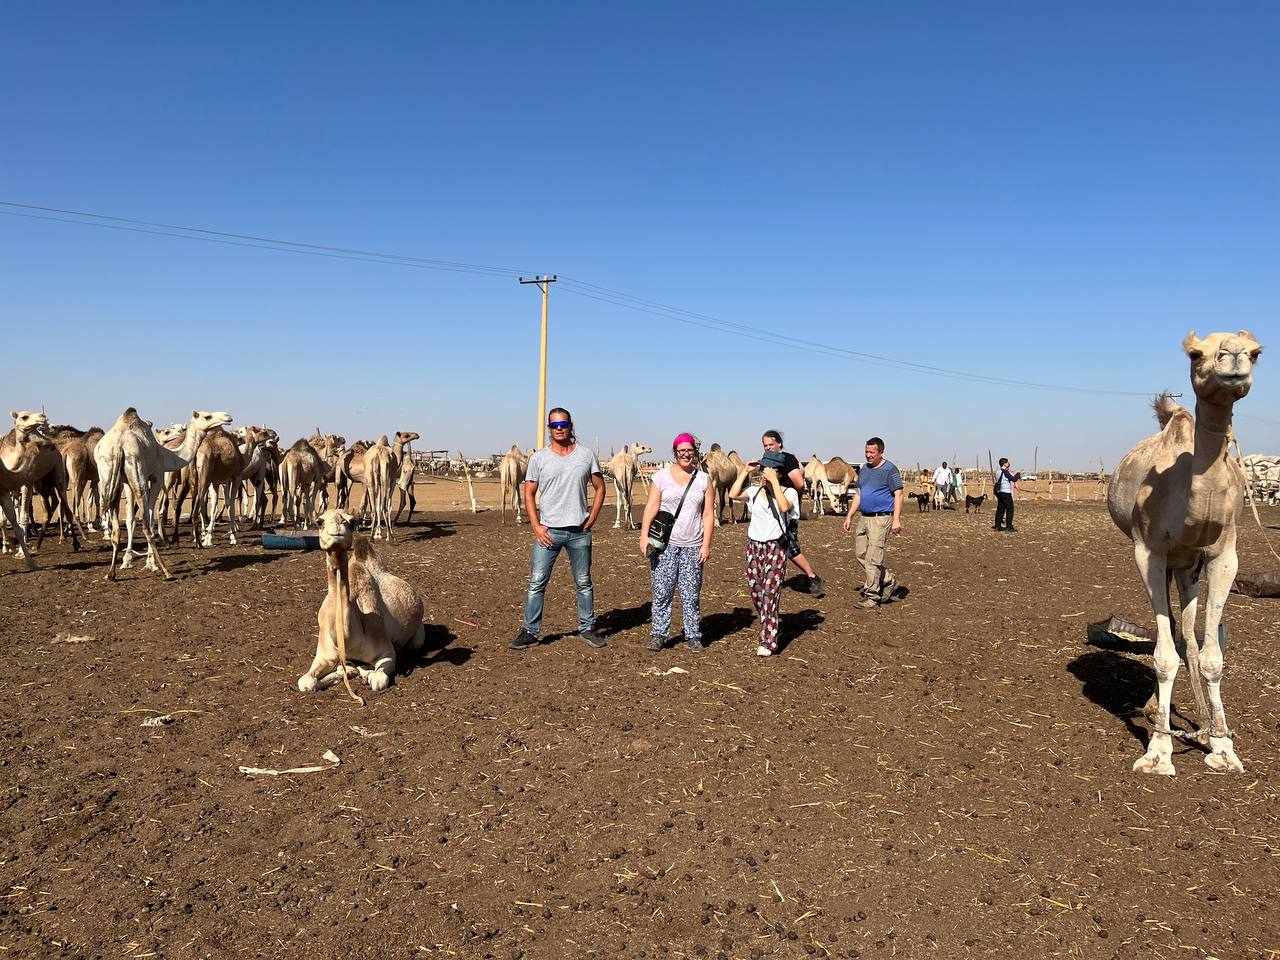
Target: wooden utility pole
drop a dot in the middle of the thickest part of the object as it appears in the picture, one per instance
(544, 284)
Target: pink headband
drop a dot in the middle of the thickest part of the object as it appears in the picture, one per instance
(684, 438)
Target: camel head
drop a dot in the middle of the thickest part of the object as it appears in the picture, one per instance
(337, 530)
(639, 448)
(1222, 365)
(203, 420)
(406, 436)
(27, 422)
(173, 432)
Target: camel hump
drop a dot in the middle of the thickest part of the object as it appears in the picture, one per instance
(1166, 409)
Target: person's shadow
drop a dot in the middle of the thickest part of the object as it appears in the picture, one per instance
(718, 626)
(621, 619)
(795, 624)
(437, 648)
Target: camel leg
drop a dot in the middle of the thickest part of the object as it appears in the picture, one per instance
(19, 537)
(1220, 572)
(617, 504)
(111, 520)
(155, 562)
(1189, 592)
(1152, 567)
(233, 516)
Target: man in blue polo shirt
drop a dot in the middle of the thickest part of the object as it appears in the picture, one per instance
(878, 492)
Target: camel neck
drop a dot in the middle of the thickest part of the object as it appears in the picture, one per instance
(1213, 434)
(190, 443)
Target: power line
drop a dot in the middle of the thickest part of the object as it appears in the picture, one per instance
(580, 288)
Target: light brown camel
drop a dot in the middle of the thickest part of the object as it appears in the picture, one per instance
(1178, 495)
(721, 472)
(815, 480)
(838, 476)
(219, 463)
(261, 457)
(349, 470)
(301, 476)
(29, 457)
(76, 447)
(622, 468)
(511, 471)
(368, 615)
(379, 481)
(132, 462)
(405, 470)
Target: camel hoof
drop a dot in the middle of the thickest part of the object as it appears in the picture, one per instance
(379, 681)
(306, 683)
(232, 538)
(1154, 763)
(1223, 759)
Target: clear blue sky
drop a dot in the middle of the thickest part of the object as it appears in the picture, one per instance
(1047, 194)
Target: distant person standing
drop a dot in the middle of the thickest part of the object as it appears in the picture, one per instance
(879, 497)
(561, 472)
(957, 484)
(942, 484)
(772, 441)
(1005, 484)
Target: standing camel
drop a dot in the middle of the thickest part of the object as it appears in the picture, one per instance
(622, 468)
(219, 464)
(1177, 495)
(511, 471)
(379, 478)
(131, 461)
(405, 475)
(29, 458)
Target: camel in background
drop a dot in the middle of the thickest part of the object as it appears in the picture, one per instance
(622, 468)
(511, 472)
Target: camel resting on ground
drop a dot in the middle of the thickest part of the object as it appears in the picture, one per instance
(368, 615)
(1178, 495)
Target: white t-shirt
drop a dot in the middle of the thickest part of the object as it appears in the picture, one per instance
(942, 477)
(763, 525)
(687, 531)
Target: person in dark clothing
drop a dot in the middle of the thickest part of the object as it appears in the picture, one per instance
(1005, 484)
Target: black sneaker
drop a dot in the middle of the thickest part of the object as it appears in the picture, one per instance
(1010, 529)
(816, 587)
(591, 638)
(655, 643)
(525, 639)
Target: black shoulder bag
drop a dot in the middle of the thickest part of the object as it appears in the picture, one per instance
(663, 523)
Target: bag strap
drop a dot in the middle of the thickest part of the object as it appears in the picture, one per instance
(683, 495)
(768, 495)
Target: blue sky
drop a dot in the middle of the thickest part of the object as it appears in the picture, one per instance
(1049, 195)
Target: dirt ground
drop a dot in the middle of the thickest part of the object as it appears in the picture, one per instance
(947, 776)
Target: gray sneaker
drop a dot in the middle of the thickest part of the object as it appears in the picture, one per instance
(525, 639)
(656, 643)
(816, 587)
(695, 646)
(592, 639)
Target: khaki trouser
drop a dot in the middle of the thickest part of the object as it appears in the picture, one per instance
(869, 544)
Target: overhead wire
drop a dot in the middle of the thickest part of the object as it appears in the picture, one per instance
(570, 285)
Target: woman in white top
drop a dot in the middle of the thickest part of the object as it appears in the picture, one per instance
(772, 502)
(687, 550)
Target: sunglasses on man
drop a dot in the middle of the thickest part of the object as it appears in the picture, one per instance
(559, 424)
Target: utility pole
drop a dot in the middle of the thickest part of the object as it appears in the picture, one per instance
(544, 284)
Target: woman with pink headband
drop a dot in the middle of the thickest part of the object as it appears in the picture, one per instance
(681, 489)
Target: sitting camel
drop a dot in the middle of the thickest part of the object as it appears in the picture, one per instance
(1178, 495)
(622, 468)
(511, 473)
(368, 615)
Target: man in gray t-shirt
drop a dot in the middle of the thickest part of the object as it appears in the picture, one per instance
(561, 472)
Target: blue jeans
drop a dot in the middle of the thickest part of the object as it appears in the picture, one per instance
(578, 542)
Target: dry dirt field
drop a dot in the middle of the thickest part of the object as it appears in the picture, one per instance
(948, 776)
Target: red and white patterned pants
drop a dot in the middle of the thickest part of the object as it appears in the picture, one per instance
(766, 564)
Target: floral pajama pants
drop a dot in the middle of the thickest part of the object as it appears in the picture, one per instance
(676, 565)
(766, 564)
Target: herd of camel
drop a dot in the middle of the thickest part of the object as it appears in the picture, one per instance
(88, 477)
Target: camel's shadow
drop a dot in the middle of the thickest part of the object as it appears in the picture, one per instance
(426, 530)
(236, 561)
(435, 649)
(1120, 685)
